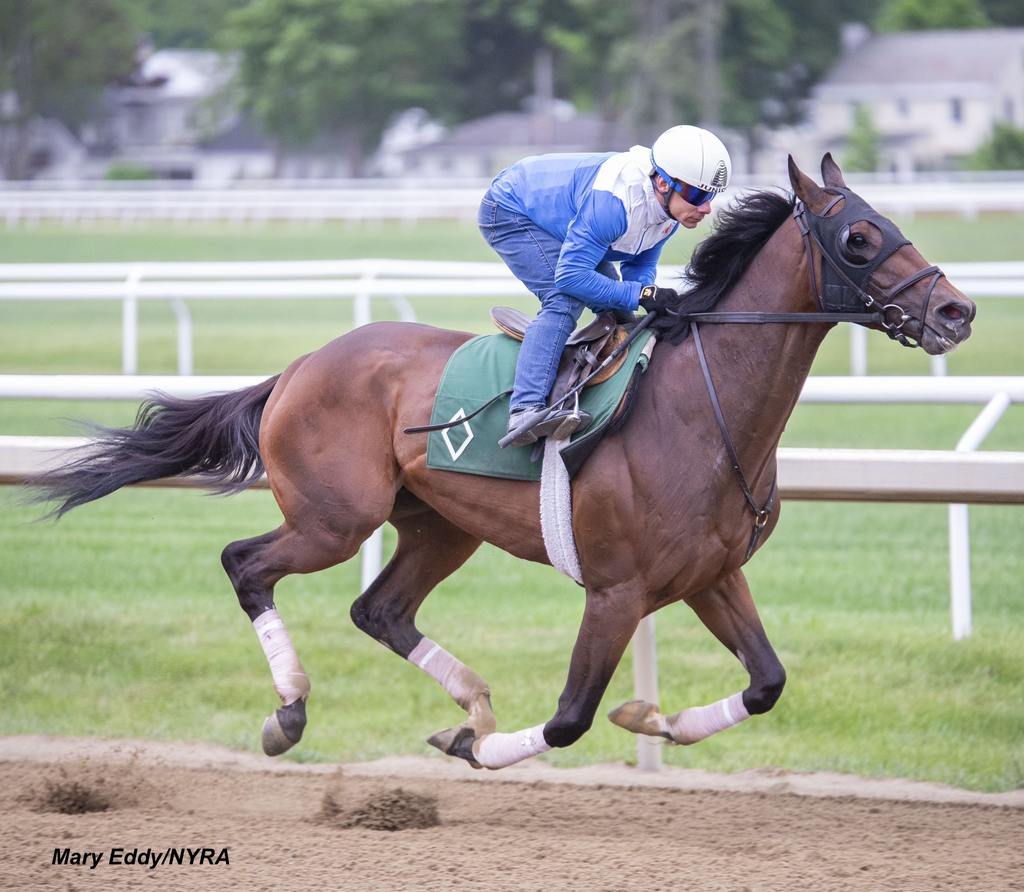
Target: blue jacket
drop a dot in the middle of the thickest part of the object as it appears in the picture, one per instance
(602, 207)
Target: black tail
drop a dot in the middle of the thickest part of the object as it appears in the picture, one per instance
(213, 437)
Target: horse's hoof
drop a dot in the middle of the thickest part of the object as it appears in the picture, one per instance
(640, 717)
(456, 742)
(283, 728)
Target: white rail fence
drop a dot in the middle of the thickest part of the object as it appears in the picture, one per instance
(408, 200)
(825, 474)
(956, 478)
(355, 203)
(358, 280)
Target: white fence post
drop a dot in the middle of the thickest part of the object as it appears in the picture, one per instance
(959, 522)
(645, 686)
(371, 551)
(960, 571)
(184, 318)
(858, 350)
(130, 323)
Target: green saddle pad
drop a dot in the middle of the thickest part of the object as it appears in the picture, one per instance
(477, 371)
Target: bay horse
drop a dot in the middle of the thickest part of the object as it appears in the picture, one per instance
(658, 516)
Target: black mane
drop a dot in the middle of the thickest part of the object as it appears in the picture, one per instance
(721, 259)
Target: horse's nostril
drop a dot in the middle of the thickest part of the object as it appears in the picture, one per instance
(956, 312)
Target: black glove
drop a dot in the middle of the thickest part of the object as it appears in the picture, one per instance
(655, 299)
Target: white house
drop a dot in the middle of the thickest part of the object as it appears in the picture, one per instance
(481, 147)
(154, 119)
(933, 96)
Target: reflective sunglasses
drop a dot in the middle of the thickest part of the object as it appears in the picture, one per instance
(691, 194)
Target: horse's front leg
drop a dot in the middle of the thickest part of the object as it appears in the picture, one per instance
(728, 610)
(609, 620)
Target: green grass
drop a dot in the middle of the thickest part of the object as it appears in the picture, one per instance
(120, 621)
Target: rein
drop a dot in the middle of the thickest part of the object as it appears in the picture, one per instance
(891, 316)
(761, 514)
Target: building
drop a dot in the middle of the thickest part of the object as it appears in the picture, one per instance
(479, 148)
(933, 96)
(53, 151)
(152, 121)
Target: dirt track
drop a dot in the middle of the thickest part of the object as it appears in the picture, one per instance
(285, 828)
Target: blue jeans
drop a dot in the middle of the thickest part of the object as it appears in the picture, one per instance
(532, 254)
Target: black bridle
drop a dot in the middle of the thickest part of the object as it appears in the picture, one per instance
(850, 292)
(843, 297)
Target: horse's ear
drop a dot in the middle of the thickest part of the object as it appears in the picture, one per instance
(831, 175)
(808, 191)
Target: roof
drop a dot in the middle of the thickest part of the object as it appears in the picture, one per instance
(928, 57)
(244, 135)
(565, 132)
(178, 74)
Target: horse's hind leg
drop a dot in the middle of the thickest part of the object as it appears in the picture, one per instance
(254, 567)
(728, 610)
(429, 550)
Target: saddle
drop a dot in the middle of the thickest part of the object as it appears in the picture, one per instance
(470, 410)
(586, 348)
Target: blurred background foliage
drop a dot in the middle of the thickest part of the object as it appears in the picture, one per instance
(339, 69)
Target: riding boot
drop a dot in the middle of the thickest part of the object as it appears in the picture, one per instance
(526, 426)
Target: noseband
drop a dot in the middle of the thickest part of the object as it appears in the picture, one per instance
(843, 297)
(844, 283)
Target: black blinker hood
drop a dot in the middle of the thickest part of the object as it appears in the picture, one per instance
(841, 287)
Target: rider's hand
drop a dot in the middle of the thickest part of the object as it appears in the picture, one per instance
(653, 298)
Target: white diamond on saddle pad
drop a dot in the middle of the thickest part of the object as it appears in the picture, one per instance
(455, 453)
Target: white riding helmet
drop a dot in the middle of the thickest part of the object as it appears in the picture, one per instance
(695, 157)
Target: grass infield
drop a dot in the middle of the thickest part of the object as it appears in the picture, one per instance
(119, 620)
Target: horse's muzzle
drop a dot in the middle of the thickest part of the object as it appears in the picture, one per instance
(948, 325)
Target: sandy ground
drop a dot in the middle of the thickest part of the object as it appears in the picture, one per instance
(428, 824)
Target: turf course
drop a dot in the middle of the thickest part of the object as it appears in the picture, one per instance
(121, 622)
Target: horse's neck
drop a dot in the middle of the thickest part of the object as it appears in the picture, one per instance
(759, 370)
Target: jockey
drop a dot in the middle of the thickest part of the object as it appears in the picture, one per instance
(558, 222)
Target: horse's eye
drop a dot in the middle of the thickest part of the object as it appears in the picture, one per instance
(858, 241)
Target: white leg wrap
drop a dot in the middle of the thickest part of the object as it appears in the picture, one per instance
(695, 724)
(290, 679)
(461, 682)
(499, 750)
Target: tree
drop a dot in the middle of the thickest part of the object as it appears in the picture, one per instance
(501, 41)
(922, 15)
(760, 37)
(1004, 13)
(1004, 150)
(862, 152)
(340, 68)
(182, 23)
(55, 59)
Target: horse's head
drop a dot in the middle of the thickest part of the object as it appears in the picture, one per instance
(868, 265)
